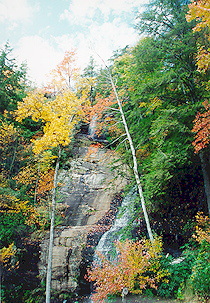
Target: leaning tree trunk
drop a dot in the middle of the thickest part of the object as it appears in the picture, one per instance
(135, 165)
(50, 251)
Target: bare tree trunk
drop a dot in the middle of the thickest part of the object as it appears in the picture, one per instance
(1, 278)
(135, 165)
(205, 165)
(50, 252)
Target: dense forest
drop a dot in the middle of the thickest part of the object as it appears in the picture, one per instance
(151, 105)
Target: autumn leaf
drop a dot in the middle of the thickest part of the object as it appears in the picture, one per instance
(137, 264)
(201, 129)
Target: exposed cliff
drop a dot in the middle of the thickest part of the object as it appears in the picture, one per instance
(87, 189)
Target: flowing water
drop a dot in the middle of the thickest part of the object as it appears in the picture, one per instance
(119, 230)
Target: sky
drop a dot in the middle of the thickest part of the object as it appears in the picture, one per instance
(41, 31)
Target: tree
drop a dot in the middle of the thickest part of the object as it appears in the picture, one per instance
(136, 267)
(90, 74)
(65, 73)
(135, 165)
(161, 91)
(59, 117)
(200, 11)
(174, 81)
(201, 145)
(12, 81)
(8, 145)
(165, 21)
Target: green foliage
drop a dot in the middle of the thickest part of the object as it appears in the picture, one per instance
(200, 278)
(12, 81)
(193, 269)
(178, 274)
(161, 91)
(12, 228)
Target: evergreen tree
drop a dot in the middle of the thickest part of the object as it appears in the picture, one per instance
(12, 81)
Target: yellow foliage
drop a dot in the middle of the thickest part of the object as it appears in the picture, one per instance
(151, 105)
(59, 117)
(200, 11)
(7, 252)
(7, 133)
(202, 229)
(137, 264)
(84, 86)
(3, 179)
(45, 161)
(203, 59)
(11, 204)
(32, 106)
(27, 175)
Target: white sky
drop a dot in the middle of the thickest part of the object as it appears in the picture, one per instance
(40, 31)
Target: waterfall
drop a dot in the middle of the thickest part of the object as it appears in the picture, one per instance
(93, 134)
(92, 128)
(119, 229)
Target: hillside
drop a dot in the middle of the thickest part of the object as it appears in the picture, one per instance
(122, 148)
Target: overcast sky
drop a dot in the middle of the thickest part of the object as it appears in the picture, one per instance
(40, 31)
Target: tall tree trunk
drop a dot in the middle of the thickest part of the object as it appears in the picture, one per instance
(205, 164)
(135, 165)
(50, 252)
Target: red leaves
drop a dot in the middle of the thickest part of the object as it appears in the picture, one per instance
(202, 129)
(97, 110)
(136, 267)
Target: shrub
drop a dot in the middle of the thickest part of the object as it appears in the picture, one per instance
(200, 278)
(178, 274)
(194, 269)
(137, 267)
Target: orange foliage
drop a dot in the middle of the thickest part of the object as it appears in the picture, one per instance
(45, 182)
(27, 175)
(97, 110)
(100, 112)
(131, 269)
(143, 152)
(65, 72)
(202, 129)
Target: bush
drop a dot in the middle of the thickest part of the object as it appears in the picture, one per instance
(200, 278)
(178, 274)
(137, 267)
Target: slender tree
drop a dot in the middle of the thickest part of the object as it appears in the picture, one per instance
(135, 164)
(59, 117)
(52, 225)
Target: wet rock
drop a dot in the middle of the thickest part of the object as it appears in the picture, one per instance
(87, 189)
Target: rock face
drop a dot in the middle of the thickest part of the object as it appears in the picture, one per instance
(87, 189)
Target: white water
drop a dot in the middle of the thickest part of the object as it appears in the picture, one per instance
(118, 230)
(92, 127)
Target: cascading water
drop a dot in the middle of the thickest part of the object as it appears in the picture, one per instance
(119, 230)
(92, 127)
(93, 134)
